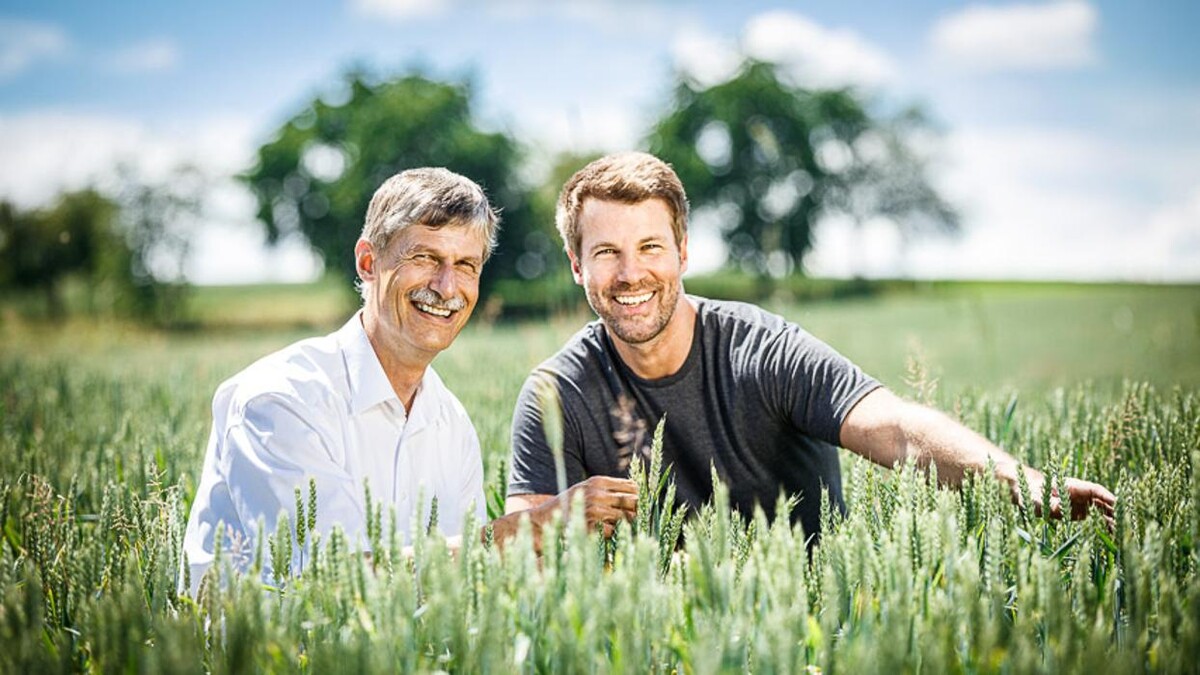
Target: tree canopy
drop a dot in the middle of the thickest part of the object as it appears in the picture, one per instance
(41, 249)
(124, 254)
(316, 177)
(770, 158)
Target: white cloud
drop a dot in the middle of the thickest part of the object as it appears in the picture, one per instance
(807, 53)
(814, 55)
(1047, 204)
(234, 253)
(582, 128)
(842, 249)
(1038, 204)
(1023, 37)
(707, 58)
(23, 43)
(610, 16)
(44, 153)
(400, 9)
(1174, 230)
(613, 16)
(155, 55)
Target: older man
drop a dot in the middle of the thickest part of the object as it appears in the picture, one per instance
(360, 407)
(743, 390)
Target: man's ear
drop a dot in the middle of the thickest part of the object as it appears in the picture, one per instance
(364, 260)
(683, 253)
(576, 270)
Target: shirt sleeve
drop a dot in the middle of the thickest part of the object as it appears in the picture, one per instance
(273, 448)
(532, 470)
(815, 385)
(471, 490)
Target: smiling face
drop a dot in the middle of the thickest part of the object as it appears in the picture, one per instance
(630, 266)
(424, 286)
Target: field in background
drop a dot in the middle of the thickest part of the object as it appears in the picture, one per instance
(1023, 335)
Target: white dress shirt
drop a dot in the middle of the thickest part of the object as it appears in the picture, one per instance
(323, 408)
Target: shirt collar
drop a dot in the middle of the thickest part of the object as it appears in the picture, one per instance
(427, 404)
(369, 385)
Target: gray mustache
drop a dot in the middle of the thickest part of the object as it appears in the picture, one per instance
(428, 296)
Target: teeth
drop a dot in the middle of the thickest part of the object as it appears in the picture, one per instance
(430, 309)
(634, 299)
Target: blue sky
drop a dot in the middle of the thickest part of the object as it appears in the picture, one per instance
(1072, 128)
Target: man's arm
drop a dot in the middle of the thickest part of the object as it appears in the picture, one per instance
(888, 430)
(277, 446)
(606, 502)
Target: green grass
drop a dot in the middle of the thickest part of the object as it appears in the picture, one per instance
(1021, 335)
(103, 425)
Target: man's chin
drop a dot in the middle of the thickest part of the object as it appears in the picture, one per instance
(632, 333)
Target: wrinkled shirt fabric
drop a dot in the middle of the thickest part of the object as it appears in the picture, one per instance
(323, 409)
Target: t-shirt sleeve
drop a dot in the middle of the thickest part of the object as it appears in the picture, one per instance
(533, 471)
(815, 385)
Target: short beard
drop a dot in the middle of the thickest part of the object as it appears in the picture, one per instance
(667, 299)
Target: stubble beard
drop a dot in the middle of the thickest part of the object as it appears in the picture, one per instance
(635, 332)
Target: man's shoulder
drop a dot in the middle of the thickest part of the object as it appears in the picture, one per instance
(750, 340)
(739, 318)
(448, 404)
(582, 352)
(305, 375)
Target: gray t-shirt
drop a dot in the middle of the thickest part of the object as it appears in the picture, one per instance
(758, 398)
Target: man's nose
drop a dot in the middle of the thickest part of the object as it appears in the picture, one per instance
(444, 282)
(630, 269)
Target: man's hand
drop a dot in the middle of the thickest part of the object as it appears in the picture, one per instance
(1082, 495)
(606, 502)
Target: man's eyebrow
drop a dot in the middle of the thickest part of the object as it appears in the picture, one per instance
(653, 238)
(418, 247)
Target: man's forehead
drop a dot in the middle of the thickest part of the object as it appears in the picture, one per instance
(457, 237)
(600, 217)
(593, 204)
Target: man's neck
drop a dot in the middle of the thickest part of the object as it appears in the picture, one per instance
(404, 371)
(666, 353)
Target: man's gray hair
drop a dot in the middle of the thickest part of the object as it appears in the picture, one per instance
(429, 196)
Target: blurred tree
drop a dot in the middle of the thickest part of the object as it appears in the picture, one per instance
(41, 249)
(126, 253)
(318, 173)
(157, 220)
(769, 158)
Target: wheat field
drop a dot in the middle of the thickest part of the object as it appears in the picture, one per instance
(102, 427)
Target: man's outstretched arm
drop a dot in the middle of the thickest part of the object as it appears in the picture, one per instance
(889, 430)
